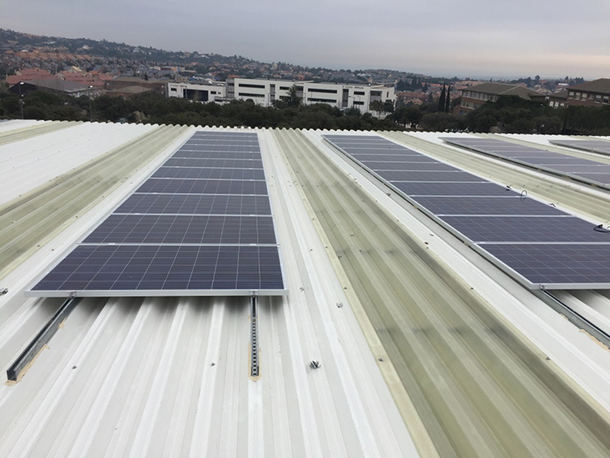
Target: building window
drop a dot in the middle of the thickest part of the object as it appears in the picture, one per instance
(356, 102)
(358, 92)
(323, 91)
(173, 89)
(284, 88)
(253, 86)
(247, 94)
(318, 100)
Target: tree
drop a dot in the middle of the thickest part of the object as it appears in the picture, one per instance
(293, 99)
(377, 105)
(441, 100)
(388, 106)
(448, 100)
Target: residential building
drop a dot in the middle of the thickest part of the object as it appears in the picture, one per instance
(475, 96)
(590, 93)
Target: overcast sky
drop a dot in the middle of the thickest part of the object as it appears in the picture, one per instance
(441, 37)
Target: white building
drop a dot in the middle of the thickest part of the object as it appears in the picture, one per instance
(211, 92)
(265, 92)
(343, 96)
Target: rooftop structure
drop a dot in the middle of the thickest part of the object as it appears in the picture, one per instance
(394, 337)
(590, 93)
(475, 96)
(54, 85)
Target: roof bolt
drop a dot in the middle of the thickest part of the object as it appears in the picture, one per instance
(315, 364)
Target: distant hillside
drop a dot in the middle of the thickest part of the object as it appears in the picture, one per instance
(109, 49)
(221, 66)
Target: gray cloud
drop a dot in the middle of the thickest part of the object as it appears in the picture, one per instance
(471, 37)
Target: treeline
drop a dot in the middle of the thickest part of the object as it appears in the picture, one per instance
(508, 114)
(154, 108)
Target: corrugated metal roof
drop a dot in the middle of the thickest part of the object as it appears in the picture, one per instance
(411, 353)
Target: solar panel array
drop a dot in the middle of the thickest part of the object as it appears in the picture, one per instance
(592, 145)
(584, 170)
(538, 244)
(200, 225)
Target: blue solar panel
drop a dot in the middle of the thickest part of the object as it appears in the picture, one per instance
(207, 162)
(212, 173)
(204, 204)
(148, 269)
(591, 145)
(453, 189)
(526, 229)
(484, 205)
(536, 157)
(182, 186)
(500, 223)
(564, 266)
(197, 229)
(200, 225)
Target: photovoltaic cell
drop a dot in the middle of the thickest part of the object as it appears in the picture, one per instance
(405, 175)
(223, 163)
(537, 243)
(181, 186)
(453, 189)
(593, 146)
(561, 265)
(163, 229)
(217, 155)
(211, 173)
(201, 224)
(526, 229)
(145, 269)
(536, 157)
(204, 204)
(484, 205)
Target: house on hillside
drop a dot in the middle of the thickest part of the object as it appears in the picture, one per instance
(475, 96)
(590, 93)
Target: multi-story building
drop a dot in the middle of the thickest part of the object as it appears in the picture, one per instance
(210, 92)
(266, 92)
(475, 96)
(591, 93)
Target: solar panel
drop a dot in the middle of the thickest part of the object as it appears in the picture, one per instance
(204, 204)
(424, 166)
(405, 175)
(535, 242)
(217, 155)
(566, 266)
(484, 205)
(182, 186)
(223, 163)
(136, 270)
(197, 226)
(505, 229)
(539, 158)
(592, 145)
(197, 229)
(212, 173)
(453, 189)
